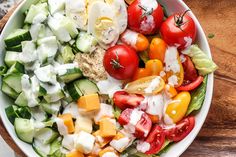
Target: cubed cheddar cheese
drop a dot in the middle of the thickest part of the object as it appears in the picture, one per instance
(83, 124)
(68, 122)
(101, 140)
(75, 154)
(120, 142)
(89, 102)
(107, 127)
(84, 142)
(108, 151)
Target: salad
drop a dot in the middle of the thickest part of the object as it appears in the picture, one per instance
(102, 78)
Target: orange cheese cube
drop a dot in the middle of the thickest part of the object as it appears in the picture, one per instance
(101, 140)
(68, 122)
(89, 102)
(75, 154)
(107, 127)
(108, 150)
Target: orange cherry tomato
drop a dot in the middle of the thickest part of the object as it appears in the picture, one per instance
(177, 109)
(170, 91)
(155, 66)
(140, 73)
(154, 118)
(157, 49)
(142, 43)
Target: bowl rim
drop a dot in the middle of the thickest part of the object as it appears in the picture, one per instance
(188, 140)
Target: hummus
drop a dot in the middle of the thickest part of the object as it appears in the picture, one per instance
(91, 65)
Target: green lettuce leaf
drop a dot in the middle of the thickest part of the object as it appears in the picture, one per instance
(202, 62)
(197, 97)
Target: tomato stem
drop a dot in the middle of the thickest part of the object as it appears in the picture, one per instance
(116, 62)
(146, 12)
(179, 19)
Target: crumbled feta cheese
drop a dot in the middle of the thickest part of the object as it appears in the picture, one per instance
(143, 146)
(173, 80)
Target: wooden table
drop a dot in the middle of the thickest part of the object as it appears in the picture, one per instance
(217, 138)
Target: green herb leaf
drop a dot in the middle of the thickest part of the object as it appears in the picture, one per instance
(197, 97)
(211, 35)
(117, 111)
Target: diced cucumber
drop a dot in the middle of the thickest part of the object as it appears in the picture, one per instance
(51, 108)
(11, 57)
(67, 54)
(16, 68)
(68, 72)
(86, 86)
(40, 148)
(29, 53)
(37, 13)
(46, 135)
(54, 92)
(26, 27)
(74, 91)
(56, 5)
(24, 129)
(17, 37)
(55, 146)
(9, 91)
(14, 81)
(21, 100)
(11, 112)
(46, 74)
(3, 70)
(17, 48)
(85, 42)
(42, 91)
(38, 114)
(24, 112)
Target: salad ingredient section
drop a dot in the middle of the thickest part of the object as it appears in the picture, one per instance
(102, 78)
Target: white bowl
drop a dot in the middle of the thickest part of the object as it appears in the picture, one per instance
(16, 21)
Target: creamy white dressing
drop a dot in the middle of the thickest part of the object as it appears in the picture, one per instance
(96, 149)
(35, 29)
(105, 111)
(149, 4)
(68, 141)
(173, 80)
(155, 105)
(84, 142)
(143, 146)
(153, 85)
(182, 58)
(120, 144)
(29, 53)
(62, 69)
(109, 154)
(135, 116)
(148, 23)
(72, 108)
(44, 148)
(56, 5)
(61, 126)
(130, 37)
(188, 41)
(171, 60)
(39, 18)
(46, 74)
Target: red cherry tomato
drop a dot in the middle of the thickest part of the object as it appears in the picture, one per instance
(190, 72)
(121, 62)
(125, 100)
(143, 125)
(179, 30)
(156, 139)
(181, 130)
(192, 85)
(145, 16)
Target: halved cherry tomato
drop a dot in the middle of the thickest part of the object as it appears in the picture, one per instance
(142, 127)
(190, 72)
(154, 66)
(192, 85)
(177, 108)
(140, 73)
(156, 139)
(136, 40)
(181, 130)
(157, 49)
(142, 86)
(125, 100)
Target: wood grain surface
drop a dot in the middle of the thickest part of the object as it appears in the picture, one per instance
(217, 138)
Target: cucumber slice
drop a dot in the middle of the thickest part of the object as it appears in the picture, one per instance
(85, 42)
(67, 54)
(11, 112)
(74, 91)
(24, 112)
(24, 129)
(46, 135)
(21, 100)
(51, 108)
(14, 81)
(16, 68)
(11, 57)
(38, 114)
(17, 48)
(37, 13)
(17, 37)
(9, 91)
(86, 86)
(40, 148)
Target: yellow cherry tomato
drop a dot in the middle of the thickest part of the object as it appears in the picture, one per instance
(154, 66)
(129, 1)
(170, 91)
(179, 75)
(177, 109)
(140, 73)
(146, 85)
(157, 49)
(142, 43)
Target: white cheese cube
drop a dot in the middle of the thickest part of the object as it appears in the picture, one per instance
(84, 142)
(83, 124)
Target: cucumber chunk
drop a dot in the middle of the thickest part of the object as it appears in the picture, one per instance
(46, 135)
(38, 114)
(56, 5)
(74, 91)
(85, 42)
(14, 81)
(21, 100)
(55, 148)
(11, 57)
(17, 37)
(51, 108)
(24, 112)
(40, 148)
(9, 91)
(67, 54)
(68, 72)
(37, 13)
(86, 86)
(16, 68)
(17, 48)
(54, 92)
(11, 112)
(24, 129)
